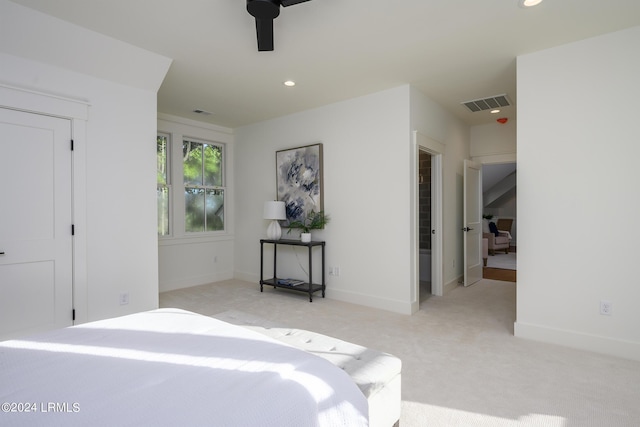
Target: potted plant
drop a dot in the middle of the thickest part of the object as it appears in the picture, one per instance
(311, 221)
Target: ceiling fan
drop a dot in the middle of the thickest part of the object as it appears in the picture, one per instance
(265, 11)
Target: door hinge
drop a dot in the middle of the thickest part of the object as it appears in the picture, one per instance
(73, 314)
(72, 145)
(73, 229)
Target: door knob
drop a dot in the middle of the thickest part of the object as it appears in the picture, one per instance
(467, 229)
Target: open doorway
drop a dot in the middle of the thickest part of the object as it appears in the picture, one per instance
(424, 223)
(430, 231)
(499, 195)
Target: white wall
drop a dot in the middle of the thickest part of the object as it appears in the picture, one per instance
(431, 120)
(493, 142)
(194, 259)
(367, 154)
(578, 201)
(115, 160)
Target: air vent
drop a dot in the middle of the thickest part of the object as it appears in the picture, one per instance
(489, 103)
(203, 112)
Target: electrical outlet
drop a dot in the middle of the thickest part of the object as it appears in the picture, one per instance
(606, 308)
(124, 298)
(334, 271)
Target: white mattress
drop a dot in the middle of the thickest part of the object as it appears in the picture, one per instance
(170, 367)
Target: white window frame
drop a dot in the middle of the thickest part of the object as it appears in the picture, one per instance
(180, 129)
(169, 185)
(222, 187)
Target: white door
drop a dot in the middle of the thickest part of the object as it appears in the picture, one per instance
(472, 223)
(35, 223)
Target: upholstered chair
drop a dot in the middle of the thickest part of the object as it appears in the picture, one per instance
(499, 236)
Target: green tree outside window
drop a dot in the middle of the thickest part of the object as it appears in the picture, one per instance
(203, 186)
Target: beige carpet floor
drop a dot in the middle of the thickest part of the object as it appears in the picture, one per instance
(462, 366)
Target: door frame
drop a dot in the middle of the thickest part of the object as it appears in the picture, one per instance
(77, 111)
(495, 160)
(421, 142)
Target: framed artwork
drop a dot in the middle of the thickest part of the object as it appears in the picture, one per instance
(299, 180)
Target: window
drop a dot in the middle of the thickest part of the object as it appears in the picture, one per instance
(163, 179)
(203, 186)
(203, 178)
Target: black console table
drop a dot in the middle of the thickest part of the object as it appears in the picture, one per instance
(308, 287)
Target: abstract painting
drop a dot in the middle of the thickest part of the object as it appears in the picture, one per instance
(299, 180)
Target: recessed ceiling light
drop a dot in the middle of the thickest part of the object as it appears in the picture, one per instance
(529, 3)
(289, 83)
(495, 111)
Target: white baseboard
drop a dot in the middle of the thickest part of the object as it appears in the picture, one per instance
(194, 281)
(400, 307)
(579, 340)
(394, 306)
(448, 287)
(247, 277)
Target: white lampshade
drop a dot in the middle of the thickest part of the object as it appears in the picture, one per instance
(274, 210)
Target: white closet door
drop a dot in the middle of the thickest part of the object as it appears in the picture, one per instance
(36, 280)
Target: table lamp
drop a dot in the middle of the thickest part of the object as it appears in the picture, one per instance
(275, 211)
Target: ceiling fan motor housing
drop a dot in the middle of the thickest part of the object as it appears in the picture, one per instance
(263, 9)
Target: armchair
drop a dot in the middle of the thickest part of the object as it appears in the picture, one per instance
(499, 237)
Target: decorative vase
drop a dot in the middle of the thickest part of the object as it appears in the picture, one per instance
(305, 237)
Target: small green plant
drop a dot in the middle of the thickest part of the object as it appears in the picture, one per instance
(487, 216)
(313, 221)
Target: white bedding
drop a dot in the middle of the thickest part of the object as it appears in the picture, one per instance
(170, 367)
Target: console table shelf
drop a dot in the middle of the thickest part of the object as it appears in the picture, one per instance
(307, 286)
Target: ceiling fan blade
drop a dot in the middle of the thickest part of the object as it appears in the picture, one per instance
(264, 32)
(286, 3)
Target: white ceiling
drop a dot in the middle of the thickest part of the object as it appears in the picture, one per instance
(494, 173)
(452, 50)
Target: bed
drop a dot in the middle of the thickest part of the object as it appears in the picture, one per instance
(171, 367)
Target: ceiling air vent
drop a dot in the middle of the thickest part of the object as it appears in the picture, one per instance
(489, 103)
